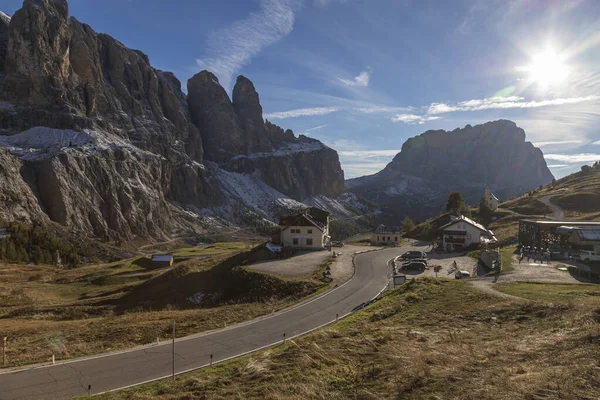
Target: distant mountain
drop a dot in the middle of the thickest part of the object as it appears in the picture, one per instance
(96, 139)
(419, 178)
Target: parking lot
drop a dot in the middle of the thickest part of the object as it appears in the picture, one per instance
(446, 261)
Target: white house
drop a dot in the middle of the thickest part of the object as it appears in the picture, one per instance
(463, 232)
(384, 236)
(307, 229)
(491, 199)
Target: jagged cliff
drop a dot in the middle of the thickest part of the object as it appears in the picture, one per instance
(237, 138)
(101, 142)
(419, 178)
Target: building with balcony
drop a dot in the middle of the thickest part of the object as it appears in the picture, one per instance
(463, 232)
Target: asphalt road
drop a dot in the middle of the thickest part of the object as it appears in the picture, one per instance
(557, 213)
(133, 367)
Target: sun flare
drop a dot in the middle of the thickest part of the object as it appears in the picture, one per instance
(547, 69)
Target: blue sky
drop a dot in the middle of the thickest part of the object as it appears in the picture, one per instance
(365, 75)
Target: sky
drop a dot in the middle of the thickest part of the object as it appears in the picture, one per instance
(365, 75)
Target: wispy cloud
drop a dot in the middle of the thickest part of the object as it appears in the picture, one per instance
(315, 128)
(383, 109)
(503, 103)
(361, 80)
(234, 46)
(573, 158)
(413, 119)
(597, 143)
(558, 166)
(368, 153)
(558, 142)
(302, 112)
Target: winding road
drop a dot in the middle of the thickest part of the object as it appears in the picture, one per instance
(557, 213)
(141, 365)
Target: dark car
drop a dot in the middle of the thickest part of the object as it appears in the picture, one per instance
(413, 254)
(414, 266)
(337, 244)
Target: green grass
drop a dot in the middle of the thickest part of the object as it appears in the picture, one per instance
(507, 254)
(217, 248)
(587, 294)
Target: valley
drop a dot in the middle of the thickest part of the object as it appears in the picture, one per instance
(168, 239)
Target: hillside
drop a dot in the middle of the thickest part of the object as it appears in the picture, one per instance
(430, 166)
(575, 197)
(47, 310)
(428, 339)
(578, 195)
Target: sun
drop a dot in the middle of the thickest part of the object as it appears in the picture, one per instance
(547, 68)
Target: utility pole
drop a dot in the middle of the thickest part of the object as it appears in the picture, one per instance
(173, 359)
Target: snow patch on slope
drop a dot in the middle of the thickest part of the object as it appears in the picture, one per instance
(251, 192)
(286, 150)
(41, 142)
(5, 17)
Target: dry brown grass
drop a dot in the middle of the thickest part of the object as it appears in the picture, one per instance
(427, 340)
(45, 310)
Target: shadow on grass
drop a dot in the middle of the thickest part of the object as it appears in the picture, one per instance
(226, 283)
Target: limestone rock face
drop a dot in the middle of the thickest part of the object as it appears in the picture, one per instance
(112, 193)
(249, 111)
(4, 22)
(433, 164)
(96, 139)
(236, 137)
(17, 200)
(37, 65)
(214, 115)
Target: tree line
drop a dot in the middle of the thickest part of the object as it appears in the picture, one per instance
(36, 244)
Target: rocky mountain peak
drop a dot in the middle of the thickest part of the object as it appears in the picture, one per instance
(39, 70)
(436, 162)
(213, 113)
(245, 98)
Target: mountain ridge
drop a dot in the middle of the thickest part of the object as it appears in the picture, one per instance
(431, 165)
(104, 144)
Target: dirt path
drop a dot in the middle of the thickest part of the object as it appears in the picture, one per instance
(557, 212)
(487, 286)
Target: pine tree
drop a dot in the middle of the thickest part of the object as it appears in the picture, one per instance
(408, 224)
(11, 253)
(485, 211)
(456, 203)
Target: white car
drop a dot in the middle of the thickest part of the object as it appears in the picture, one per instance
(587, 256)
(462, 274)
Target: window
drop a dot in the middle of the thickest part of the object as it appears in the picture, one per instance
(309, 242)
(295, 230)
(310, 231)
(388, 238)
(396, 238)
(295, 241)
(378, 238)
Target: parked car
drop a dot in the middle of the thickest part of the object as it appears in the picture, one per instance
(337, 244)
(413, 254)
(587, 256)
(414, 266)
(462, 274)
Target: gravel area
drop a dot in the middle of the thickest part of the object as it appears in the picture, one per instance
(301, 265)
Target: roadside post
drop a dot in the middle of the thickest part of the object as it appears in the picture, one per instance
(211, 357)
(173, 350)
(4, 352)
